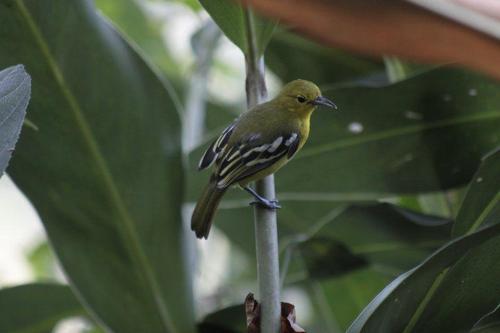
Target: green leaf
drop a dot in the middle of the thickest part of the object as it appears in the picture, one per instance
(228, 320)
(422, 134)
(132, 20)
(15, 90)
(343, 297)
(42, 261)
(490, 323)
(327, 258)
(391, 237)
(230, 17)
(401, 305)
(36, 308)
(467, 292)
(104, 169)
(291, 57)
(482, 199)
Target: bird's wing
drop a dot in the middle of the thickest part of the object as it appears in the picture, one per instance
(253, 155)
(217, 147)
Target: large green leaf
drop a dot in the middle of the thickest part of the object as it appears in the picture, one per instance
(490, 323)
(453, 288)
(390, 236)
(228, 320)
(230, 17)
(420, 134)
(382, 234)
(104, 168)
(344, 297)
(293, 57)
(130, 18)
(482, 199)
(36, 308)
(405, 304)
(468, 291)
(15, 90)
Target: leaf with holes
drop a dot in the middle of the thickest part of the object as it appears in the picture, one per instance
(104, 167)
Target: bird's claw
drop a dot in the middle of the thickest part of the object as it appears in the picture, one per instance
(269, 204)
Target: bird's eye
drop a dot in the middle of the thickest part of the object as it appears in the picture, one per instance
(301, 99)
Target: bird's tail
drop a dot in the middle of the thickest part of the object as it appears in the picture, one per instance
(204, 212)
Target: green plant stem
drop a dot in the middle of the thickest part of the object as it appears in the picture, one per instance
(266, 229)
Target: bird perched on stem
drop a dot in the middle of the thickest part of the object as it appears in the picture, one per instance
(255, 145)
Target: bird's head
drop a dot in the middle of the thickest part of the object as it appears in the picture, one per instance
(303, 97)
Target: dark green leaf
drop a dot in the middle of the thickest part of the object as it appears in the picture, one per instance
(229, 320)
(293, 57)
(342, 298)
(327, 258)
(381, 234)
(418, 135)
(36, 308)
(490, 323)
(104, 169)
(469, 290)
(482, 198)
(15, 90)
(403, 138)
(399, 307)
(230, 17)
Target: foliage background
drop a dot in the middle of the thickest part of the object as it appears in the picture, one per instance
(381, 185)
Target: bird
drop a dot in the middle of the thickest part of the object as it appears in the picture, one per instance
(255, 145)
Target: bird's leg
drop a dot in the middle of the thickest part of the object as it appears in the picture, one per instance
(270, 204)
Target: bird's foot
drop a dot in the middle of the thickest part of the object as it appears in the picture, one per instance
(261, 201)
(266, 203)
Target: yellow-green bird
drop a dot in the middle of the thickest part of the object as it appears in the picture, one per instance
(255, 145)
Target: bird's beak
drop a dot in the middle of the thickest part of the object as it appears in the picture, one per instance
(320, 100)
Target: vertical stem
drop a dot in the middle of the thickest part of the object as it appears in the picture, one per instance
(194, 116)
(266, 229)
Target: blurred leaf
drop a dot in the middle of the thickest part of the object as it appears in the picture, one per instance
(15, 90)
(482, 198)
(292, 57)
(104, 169)
(343, 297)
(380, 234)
(490, 323)
(36, 308)
(422, 134)
(326, 258)
(131, 19)
(467, 292)
(230, 17)
(404, 304)
(228, 320)
(397, 28)
(42, 261)
(398, 69)
(435, 203)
